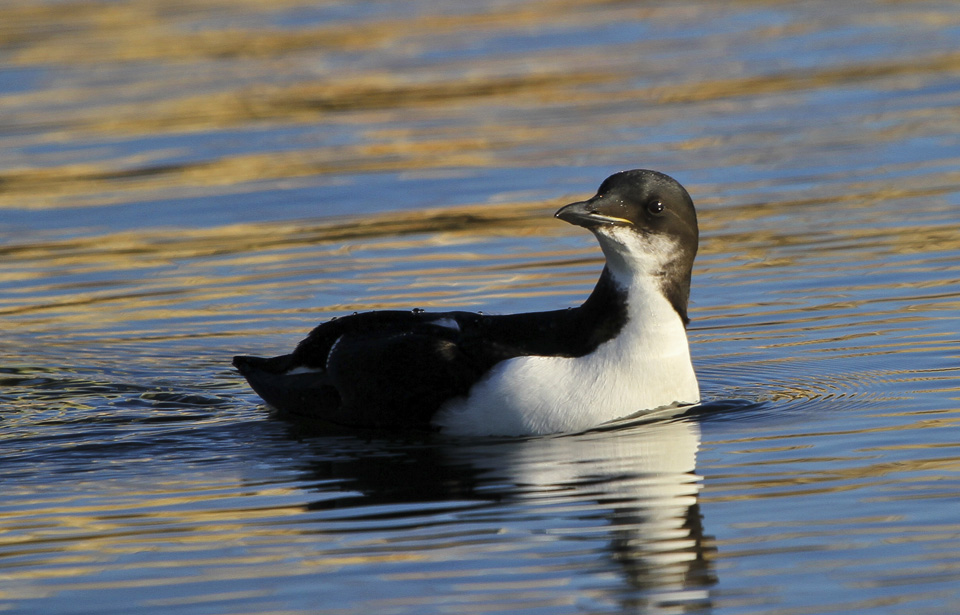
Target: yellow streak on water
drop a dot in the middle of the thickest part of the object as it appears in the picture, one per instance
(116, 34)
(206, 72)
(139, 30)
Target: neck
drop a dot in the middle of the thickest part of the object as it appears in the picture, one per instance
(652, 346)
(660, 272)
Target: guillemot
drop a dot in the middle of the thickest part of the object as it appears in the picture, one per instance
(623, 351)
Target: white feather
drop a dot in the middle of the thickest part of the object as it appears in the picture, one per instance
(302, 369)
(646, 366)
(333, 347)
(448, 323)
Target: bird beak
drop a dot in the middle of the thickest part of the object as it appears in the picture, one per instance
(589, 214)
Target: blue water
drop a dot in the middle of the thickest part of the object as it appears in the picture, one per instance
(182, 184)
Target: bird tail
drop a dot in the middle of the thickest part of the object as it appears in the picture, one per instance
(298, 391)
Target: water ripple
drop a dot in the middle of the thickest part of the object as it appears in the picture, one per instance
(181, 184)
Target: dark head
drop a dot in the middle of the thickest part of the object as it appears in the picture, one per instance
(647, 227)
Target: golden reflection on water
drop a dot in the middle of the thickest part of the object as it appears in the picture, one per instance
(825, 290)
(215, 77)
(427, 258)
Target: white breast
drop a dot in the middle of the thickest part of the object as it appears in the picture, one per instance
(646, 366)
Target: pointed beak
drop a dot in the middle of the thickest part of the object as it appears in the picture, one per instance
(587, 214)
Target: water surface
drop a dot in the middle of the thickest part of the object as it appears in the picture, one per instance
(181, 183)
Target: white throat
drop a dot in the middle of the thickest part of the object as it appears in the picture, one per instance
(646, 366)
(633, 260)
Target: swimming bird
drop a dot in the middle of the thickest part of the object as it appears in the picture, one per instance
(623, 351)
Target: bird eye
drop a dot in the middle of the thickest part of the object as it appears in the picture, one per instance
(655, 208)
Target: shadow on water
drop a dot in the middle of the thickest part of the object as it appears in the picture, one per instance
(74, 421)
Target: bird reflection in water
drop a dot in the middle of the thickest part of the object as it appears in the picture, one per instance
(631, 485)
